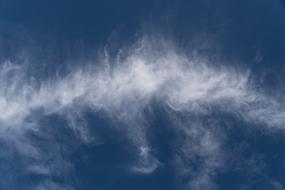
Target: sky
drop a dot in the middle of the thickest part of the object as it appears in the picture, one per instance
(142, 94)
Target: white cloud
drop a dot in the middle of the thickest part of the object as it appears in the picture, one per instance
(146, 163)
(124, 90)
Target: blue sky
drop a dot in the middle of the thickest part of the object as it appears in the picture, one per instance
(132, 94)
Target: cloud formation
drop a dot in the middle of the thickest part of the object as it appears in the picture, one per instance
(123, 89)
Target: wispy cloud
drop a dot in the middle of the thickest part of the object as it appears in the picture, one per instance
(124, 89)
(47, 185)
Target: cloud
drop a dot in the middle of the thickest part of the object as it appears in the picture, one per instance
(48, 185)
(146, 163)
(124, 89)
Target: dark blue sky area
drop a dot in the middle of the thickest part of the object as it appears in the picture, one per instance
(234, 29)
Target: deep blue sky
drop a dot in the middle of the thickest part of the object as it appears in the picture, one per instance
(56, 34)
